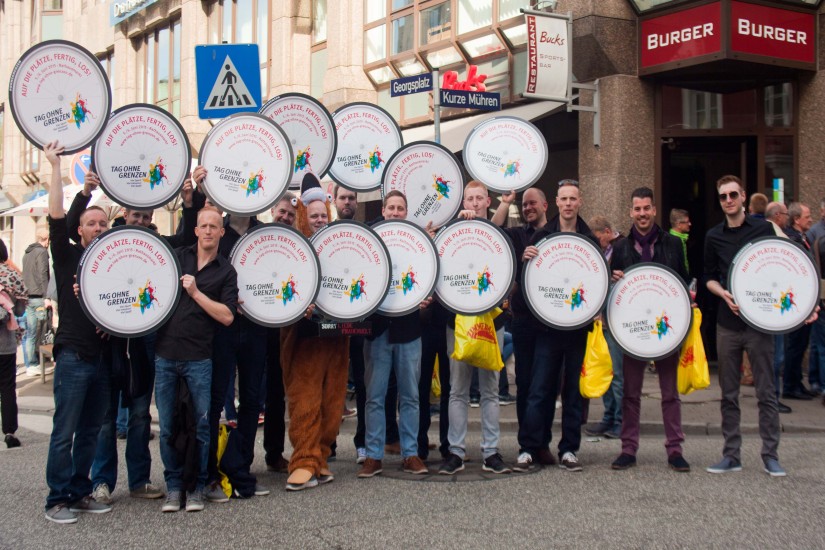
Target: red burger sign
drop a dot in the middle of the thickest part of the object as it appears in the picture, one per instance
(728, 29)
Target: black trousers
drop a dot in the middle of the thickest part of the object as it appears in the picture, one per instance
(275, 426)
(8, 395)
(434, 343)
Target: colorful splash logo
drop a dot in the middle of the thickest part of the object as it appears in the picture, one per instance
(375, 160)
(512, 168)
(442, 187)
(288, 292)
(576, 297)
(662, 325)
(157, 173)
(255, 183)
(80, 112)
(146, 297)
(407, 281)
(357, 289)
(785, 301)
(302, 160)
(484, 281)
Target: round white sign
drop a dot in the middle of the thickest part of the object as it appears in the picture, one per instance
(129, 281)
(367, 137)
(311, 133)
(775, 283)
(59, 91)
(430, 177)
(506, 154)
(142, 157)
(248, 161)
(648, 311)
(355, 270)
(278, 274)
(566, 285)
(478, 266)
(414, 266)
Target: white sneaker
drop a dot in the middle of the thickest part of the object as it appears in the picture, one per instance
(102, 494)
(523, 463)
(362, 455)
(32, 371)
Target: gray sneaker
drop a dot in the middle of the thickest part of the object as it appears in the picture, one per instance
(60, 513)
(172, 503)
(773, 469)
(146, 491)
(214, 493)
(724, 466)
(102, 494)
(88, 505)
(194, 501)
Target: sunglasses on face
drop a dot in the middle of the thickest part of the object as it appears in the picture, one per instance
(733, 195)
(562, 183)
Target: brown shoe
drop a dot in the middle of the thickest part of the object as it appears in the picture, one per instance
(280, 465)
(546, 458)
(414, 465)
(370, 468)
(393, 448)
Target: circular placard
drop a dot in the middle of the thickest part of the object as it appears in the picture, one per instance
(566, 285)
(775, 283)
(310, 130)
(414, 266)
(248, 161)
(59, 91)
(278, 274)
(430, 177)
(142, 157)
(648, 311)
(367, 137)
(478, 266)
(505, 153)
(355, 270)
(129, 281)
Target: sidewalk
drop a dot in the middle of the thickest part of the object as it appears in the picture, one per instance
(700, 410)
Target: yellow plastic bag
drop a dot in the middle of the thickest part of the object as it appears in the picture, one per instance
(597, 368)
(693, 371)
(435, 385)
(476, 342)
(223, 438)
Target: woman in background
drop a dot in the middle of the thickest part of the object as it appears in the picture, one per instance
(13, 298)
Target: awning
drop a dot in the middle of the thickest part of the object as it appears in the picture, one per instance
(454, 132)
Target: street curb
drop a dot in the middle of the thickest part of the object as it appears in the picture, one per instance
(657, 428)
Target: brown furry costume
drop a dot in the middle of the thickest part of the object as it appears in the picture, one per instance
(315, 380)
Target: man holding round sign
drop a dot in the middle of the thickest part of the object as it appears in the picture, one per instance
(647, 242)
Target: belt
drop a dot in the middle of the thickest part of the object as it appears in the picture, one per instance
(35, 295)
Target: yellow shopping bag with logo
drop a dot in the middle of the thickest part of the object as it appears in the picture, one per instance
(597, 368)
(476, 342)
(435, 385)
(693, 371)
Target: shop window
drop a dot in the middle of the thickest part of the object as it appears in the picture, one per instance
(779, 105)
(242, 22)
(701, 110)
(474, 14)
(319, 21)
(684, 109)
(391, 104)
(375, 44)
(162, 67)
(402, 34)
(416, 105)
(435, 24)
(374, 10)
(779, 173)
(51, 20)
(318, 68)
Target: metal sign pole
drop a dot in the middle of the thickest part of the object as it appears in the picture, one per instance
(436, 106)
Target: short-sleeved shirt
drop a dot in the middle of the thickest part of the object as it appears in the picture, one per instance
(187, 336)
(722, 243)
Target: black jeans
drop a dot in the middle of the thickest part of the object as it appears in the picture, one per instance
(796, 343)
(434, 343)
(275, 426)
(525, 335)
(8, 395)
(356, 364)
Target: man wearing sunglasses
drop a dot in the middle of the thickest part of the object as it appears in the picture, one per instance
(733, 336)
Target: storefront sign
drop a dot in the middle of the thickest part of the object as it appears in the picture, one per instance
(123, 10)
(681, 36)
(549, 52)
(773, 32)
(473, 83)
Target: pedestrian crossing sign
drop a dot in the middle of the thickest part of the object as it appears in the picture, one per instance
(229, 79)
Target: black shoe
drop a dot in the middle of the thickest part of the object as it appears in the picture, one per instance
(452, 464)
(678, 463)
(797, 395)
(623, 462)
(494, 463)
(783, 408)
(546, 458)
(597, 430)
(121, 435)
(12, 441)
(806, 391)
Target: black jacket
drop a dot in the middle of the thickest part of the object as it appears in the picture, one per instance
(667, 251)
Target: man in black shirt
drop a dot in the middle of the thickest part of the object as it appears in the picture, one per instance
(733, 336)
(83, 366)
(184, 351)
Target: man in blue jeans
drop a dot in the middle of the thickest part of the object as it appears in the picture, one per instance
(184, 354)
(395, 345)
(36, 279)
(135, 359)
(83, 368)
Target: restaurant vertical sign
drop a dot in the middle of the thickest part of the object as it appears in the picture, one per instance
(549, 53)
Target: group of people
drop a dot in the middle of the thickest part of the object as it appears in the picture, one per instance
(190, 359)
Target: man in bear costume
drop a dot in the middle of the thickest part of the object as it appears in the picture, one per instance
(315, 369)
